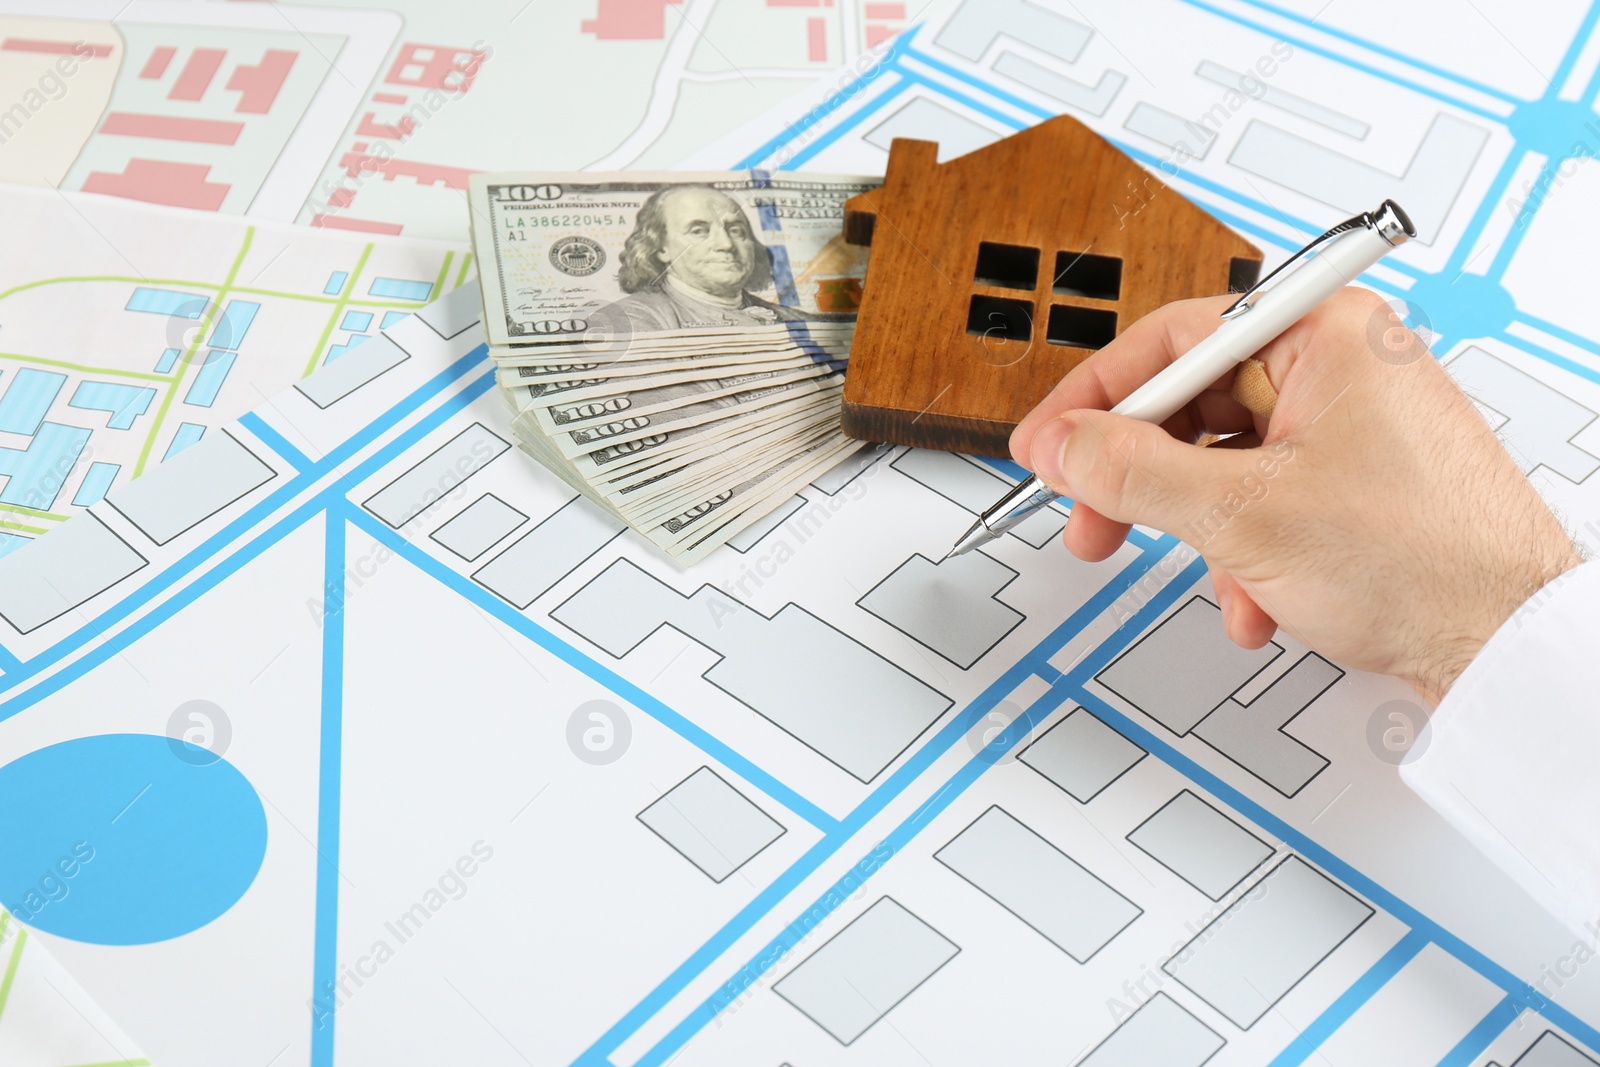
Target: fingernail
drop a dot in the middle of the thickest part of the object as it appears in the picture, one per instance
(1225, 602)
(1049, 444)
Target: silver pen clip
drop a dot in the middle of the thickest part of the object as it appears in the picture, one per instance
(1392, 224)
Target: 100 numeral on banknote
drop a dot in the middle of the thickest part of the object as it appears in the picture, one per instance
(674, 344)
(658, 254)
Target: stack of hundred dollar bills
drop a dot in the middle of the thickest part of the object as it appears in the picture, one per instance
(672, 344)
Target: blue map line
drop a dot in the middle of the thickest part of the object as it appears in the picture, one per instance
(1517, 991)
(1338, 868)
(339, 512)
(274, 440)
(1366, 68)
(1459, 254)
(805, 155)
(1137, 537)
(1522, 344)
(1410, 61)
(1559, 332)
(1255, 229)
(1149, 158)
(650, 705)
(280, 527)
(1457, 263)
(325, 941)
(1166, 166)
(1004, 96)
(1569, 59)
(1463, 248)
(321, 502)
(1552, 163)
(1591, 90)
(9, 664)
(1523, 221)
(981, 108)
(213, 545)
(837, 100)
(902, 778)
(1201, 182)
(903, 834)
(911, 77)
(1481, 1036)
(326, 502)
(1351, 1000)
(231, 563)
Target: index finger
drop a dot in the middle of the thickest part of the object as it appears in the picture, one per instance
(1134, 357)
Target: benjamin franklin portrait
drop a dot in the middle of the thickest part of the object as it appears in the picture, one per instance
(693, 260)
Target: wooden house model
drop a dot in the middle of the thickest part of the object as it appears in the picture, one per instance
(994, 274)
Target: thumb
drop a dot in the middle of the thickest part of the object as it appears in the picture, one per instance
(1132, 471)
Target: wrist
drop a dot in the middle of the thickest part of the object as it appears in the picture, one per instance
(1500, 598)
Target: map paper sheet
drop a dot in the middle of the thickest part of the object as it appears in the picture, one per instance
(128, 331)
(282, 111)
(484, 779)
(370, 116)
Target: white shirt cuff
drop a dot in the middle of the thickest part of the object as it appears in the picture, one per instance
(1511, 757)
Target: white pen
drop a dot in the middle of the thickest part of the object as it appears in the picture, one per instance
(1272, 305)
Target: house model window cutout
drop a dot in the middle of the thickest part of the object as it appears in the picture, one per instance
(994, 274)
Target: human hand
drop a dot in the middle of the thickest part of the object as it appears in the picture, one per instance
(1375, 516)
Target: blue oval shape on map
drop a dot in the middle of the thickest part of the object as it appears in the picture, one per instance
(126, 839)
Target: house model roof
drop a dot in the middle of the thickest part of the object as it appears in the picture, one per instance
(995, 273)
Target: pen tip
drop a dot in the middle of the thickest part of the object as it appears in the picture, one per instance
(974, 537)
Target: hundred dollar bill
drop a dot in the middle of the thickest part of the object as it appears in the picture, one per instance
(655, 254)
(832, 345)
(614, 459)
(788, 428)
(554, 413)
(634, 393)
(695, 485)
(509, 375)
(681, 478)
(625, 426)
(693, 533)
(793, 428)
